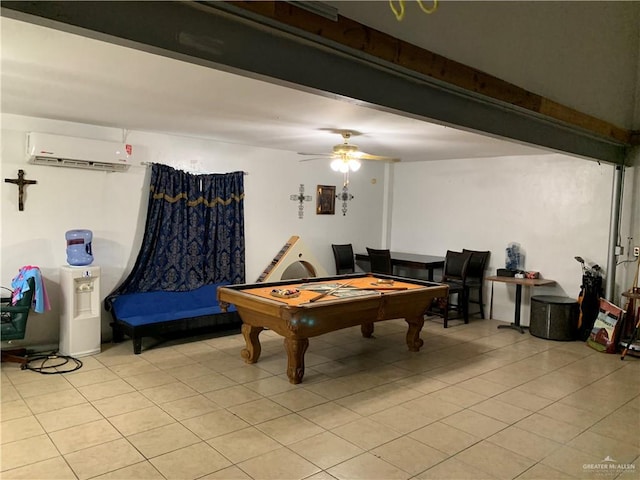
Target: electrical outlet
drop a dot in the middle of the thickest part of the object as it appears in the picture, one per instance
(636, 251)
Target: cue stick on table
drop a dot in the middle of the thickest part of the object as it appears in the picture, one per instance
(329, 292)
(322, 295)
(379, 288)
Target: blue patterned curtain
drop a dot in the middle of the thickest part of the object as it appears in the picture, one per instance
(194, 234)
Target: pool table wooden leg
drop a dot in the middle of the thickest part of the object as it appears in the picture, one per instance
(251, 354)
(414, 342)
(296, 347)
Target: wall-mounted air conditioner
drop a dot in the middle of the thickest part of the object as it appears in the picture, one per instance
(61, 151)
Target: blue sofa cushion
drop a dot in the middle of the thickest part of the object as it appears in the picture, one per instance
(155, 307)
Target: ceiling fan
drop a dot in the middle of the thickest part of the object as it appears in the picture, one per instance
(346, 156)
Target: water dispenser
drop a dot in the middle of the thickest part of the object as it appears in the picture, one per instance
(80, 324)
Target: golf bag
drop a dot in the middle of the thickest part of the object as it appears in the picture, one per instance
(589, 301)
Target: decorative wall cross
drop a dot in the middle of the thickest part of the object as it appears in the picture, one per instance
(345, 196)
(301, 198)
(20, 182)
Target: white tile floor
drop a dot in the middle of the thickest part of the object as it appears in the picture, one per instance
(475, 403)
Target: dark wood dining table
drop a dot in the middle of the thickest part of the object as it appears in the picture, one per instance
(411, 260)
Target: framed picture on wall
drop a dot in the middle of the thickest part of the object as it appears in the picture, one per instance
(326, 200)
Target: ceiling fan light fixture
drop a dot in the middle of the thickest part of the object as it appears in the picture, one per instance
(345, 164)
(347, 157)
(336, 165)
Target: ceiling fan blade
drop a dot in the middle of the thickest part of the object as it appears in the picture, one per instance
(368, 156)
(316, 154)
(314, 158)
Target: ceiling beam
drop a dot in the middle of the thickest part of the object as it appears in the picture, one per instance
(371, 42)
(273, 40)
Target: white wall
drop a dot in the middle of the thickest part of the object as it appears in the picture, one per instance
(555, 206)
(113, 206)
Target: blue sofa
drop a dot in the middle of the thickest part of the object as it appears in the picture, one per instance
(152, 314)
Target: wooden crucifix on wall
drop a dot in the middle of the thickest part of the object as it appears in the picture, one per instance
(20, 182)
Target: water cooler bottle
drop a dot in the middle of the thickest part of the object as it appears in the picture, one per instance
(80, 311)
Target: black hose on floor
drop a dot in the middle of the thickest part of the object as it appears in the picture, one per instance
(52, 364)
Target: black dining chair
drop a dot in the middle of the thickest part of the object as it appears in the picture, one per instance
(344, 258)
(380, 261)
(454, 275)
(475, 277)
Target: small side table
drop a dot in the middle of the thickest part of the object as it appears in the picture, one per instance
(519, 283)
(629, 341)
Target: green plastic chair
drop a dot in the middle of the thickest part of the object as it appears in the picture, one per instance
(14, 323)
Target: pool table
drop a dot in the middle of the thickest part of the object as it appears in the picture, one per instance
(320, 307)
